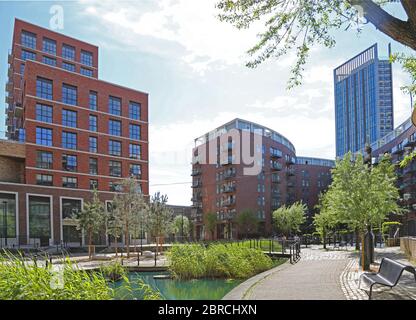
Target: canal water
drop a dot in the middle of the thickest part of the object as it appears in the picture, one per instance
(172, 289)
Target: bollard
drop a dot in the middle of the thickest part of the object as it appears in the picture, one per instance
(138, 259)
(155, 257)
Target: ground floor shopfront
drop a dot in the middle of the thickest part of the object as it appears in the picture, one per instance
(40, 216)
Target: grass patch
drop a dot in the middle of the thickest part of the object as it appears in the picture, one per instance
(192, 261)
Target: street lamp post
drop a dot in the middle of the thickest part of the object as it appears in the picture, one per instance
(368, 243)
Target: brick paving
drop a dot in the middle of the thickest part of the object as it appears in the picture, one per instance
(324, 275)
(405, 289)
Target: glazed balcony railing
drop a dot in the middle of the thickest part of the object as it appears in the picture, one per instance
(290, 172)
(196, 172)
(228, 189)
(196, 184)
(229, 174)
(228, 203)
(274, 153)
(276, 166)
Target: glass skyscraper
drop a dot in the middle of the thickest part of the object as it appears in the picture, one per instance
(363, 101)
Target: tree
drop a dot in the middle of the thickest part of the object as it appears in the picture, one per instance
(289, 219)
(324, 220)
(300, 25)
(91, 219)
(210, 222)
(247, 222)
(181, 225)
(128, 206)
(158, 216)
(361, 197)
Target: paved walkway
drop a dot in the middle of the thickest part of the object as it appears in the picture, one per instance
(322, 275)
(314, 277)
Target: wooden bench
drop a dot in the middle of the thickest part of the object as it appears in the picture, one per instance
(388, 274)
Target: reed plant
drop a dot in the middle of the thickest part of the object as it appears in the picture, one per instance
(192, 261)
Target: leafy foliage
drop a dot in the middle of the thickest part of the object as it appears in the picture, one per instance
(128, 209)
(247, 222)
(361, 197)
(300, 25)
(91, 218)
(289, 219)
(210, 221)
(158, 217)
(181, 225)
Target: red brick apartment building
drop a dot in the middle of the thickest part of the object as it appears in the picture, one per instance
(222, 187)
(68, 132)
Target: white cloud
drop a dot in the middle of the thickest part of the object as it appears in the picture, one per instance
(191, 24)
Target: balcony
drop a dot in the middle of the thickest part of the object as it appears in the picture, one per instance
(409, 142)
(397, 149)
(276, 179)
(291, 184)
(197, 204)
(276, 154)
(9, 99)
(9, 87)
(228, 203)
(196, 172)
(18, 110)
(290, 172)
(10, 58)
(229, 175)
(276, 166)
(290, 160)
(10, 72)
(196, 184)
(228, 189)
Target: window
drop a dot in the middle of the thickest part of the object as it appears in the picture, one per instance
(69, 94)
(70, 208)
(114, 148)
(86, 72)
(134, 111)
(39, 217)
(28, 39)
(93, 123)
(115, 168)
(49, 61)
(134, 131)
(69, 162)
(92, 144)
(22, 69)
(49, 46)
(8, 214)
(28, 55)
(115, 187)
(69, 140)
(44, 179)
(43, 136)
(44, 159)
(69, 118)
(114, 105)
(134, 151)
(68, 52)
(44, 88)
(93, 166)
(86, 58)
(93, 184)
(114, 127)
(43, 113)
(69, 182)
(68, 66)
(136, 171)
(93, 100)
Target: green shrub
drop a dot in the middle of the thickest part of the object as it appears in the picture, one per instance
(23, 280)
(114, 271)
(193, 261)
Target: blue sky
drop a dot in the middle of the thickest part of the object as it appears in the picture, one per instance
(192, 66)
